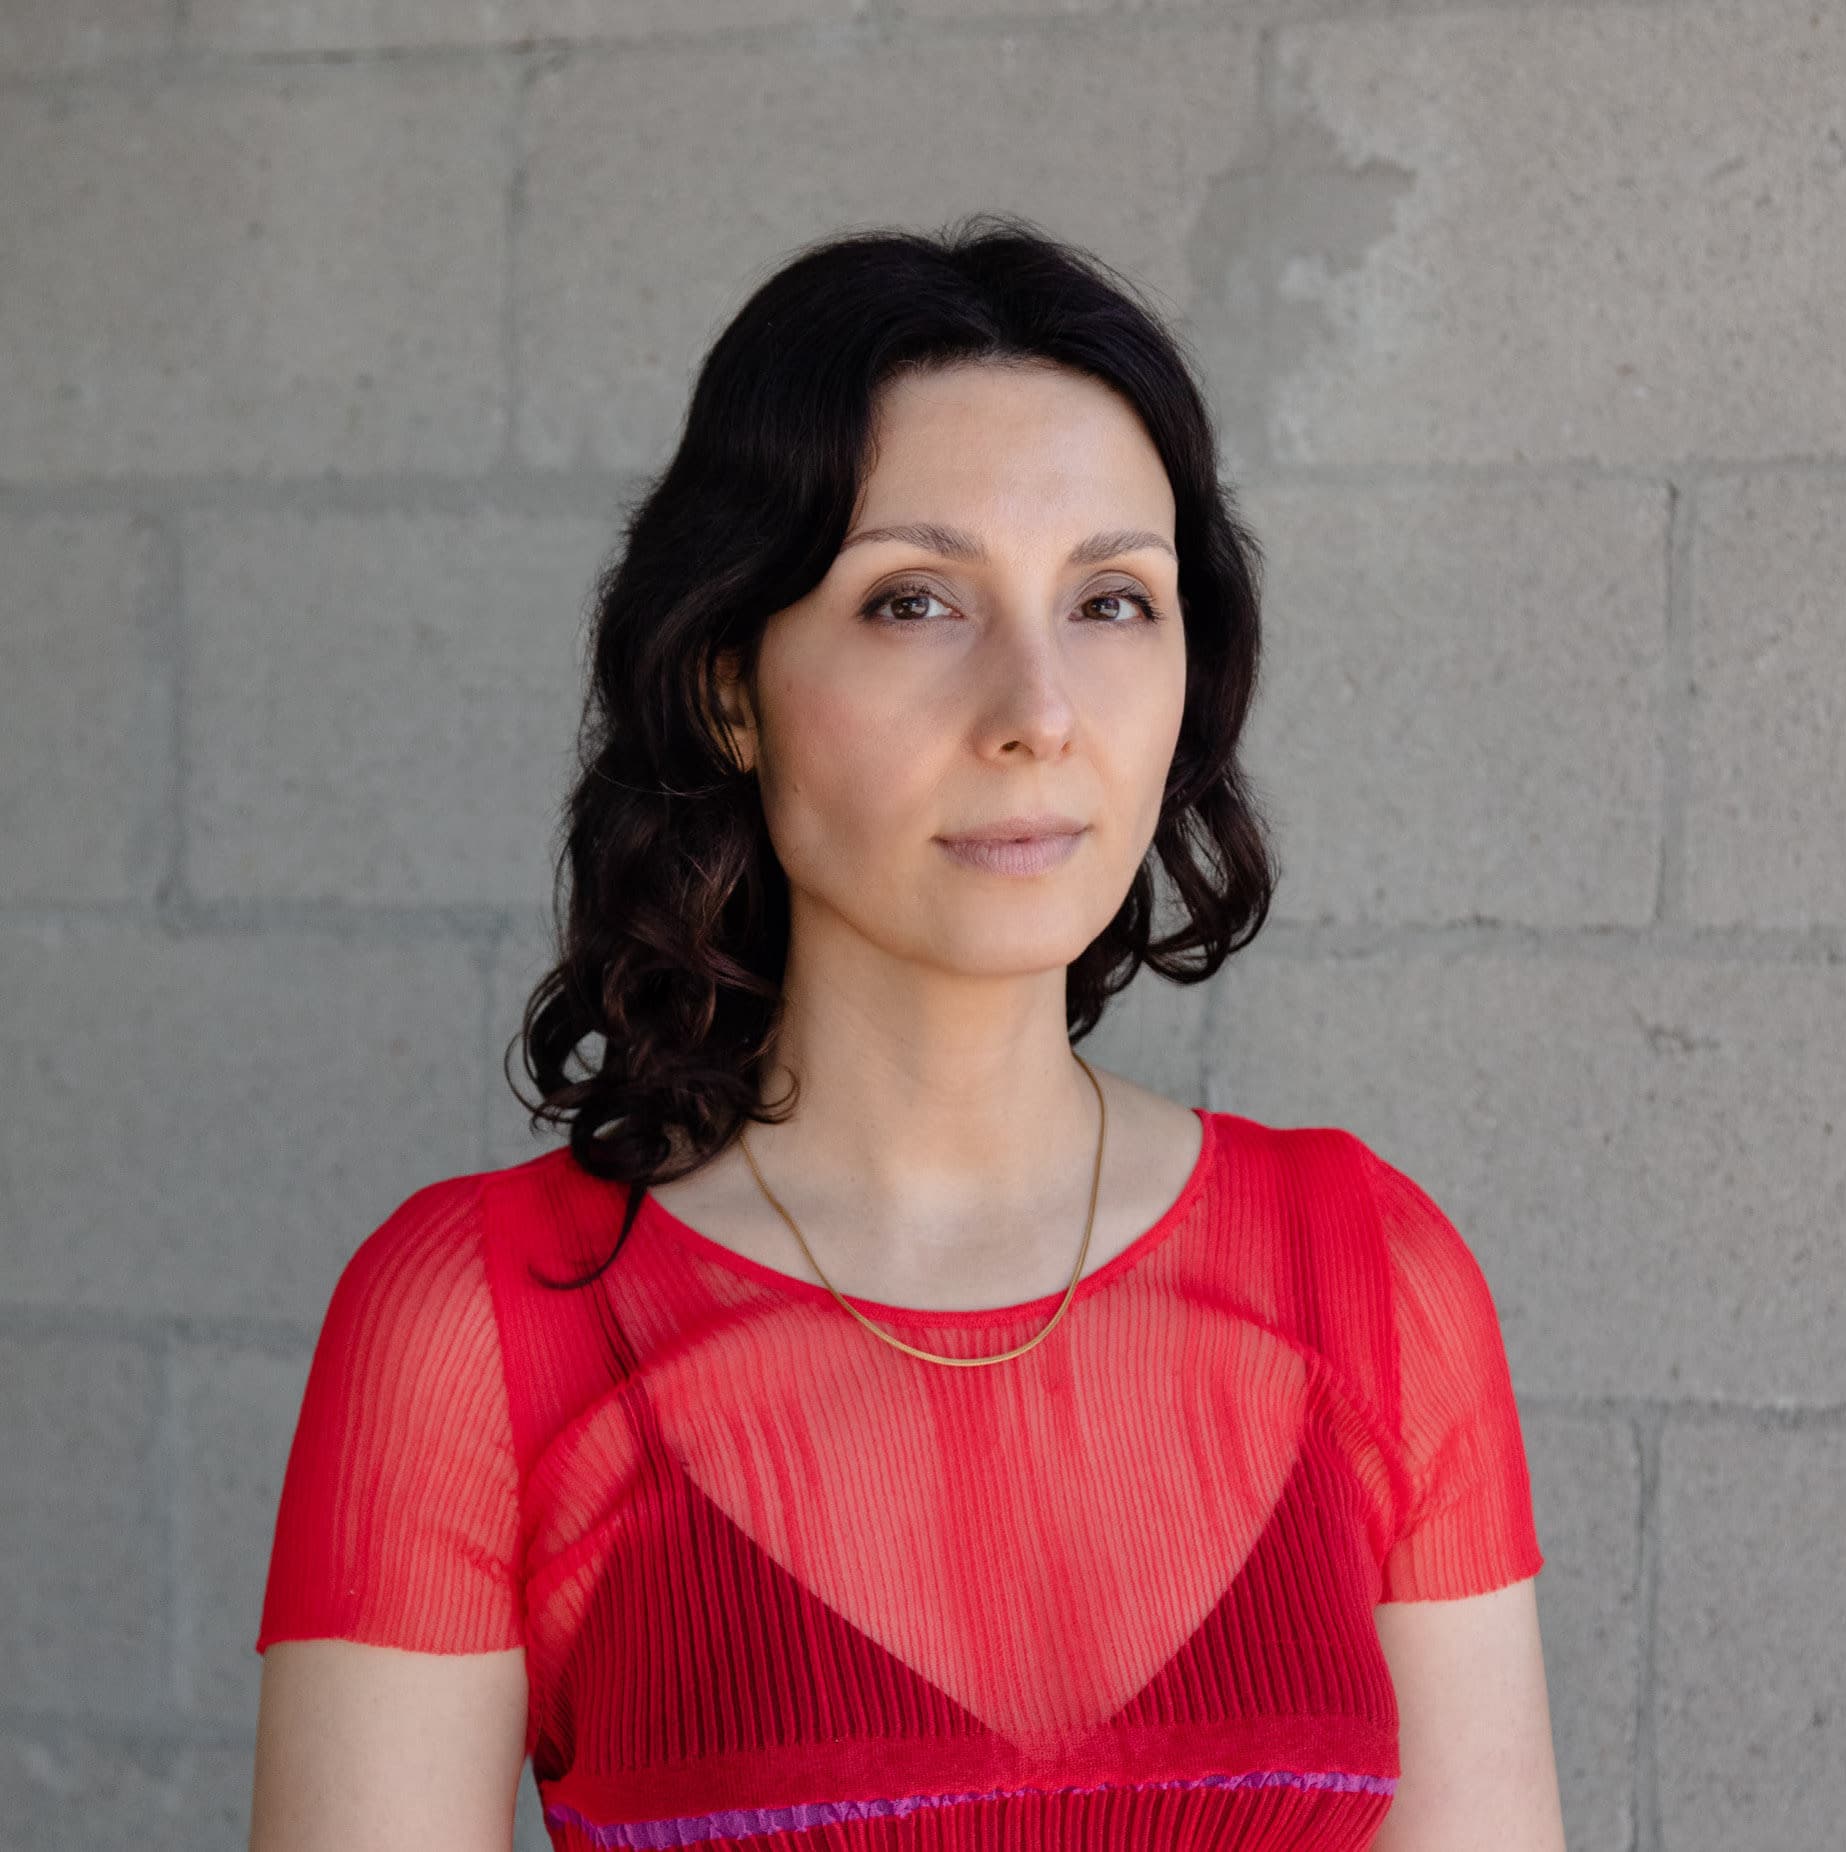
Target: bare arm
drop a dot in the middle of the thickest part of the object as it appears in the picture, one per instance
(1474, 1726)
(370, 1749)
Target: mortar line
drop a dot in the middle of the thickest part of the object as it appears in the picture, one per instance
(1676, 700)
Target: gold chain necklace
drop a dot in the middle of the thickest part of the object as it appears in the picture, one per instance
(964, 1363)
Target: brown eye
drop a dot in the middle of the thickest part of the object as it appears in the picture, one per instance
(902, 606)
(900, 595)
(1139, 600)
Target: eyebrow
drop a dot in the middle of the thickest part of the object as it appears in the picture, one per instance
(958, 543)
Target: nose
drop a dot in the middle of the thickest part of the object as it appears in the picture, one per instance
(1024, 692)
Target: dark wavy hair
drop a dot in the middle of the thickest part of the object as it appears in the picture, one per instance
(672, 932)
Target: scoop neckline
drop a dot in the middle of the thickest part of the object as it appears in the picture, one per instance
(793, 1286)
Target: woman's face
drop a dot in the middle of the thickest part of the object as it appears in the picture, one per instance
(918, 691)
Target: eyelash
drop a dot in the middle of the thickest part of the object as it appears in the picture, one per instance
(1150, 612)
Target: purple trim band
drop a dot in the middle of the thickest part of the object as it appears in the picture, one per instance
(743, 1822)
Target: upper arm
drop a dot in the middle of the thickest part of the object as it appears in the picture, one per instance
(1458, 1620)
(370, 1749)
(1474, 1725)
(394, 1707)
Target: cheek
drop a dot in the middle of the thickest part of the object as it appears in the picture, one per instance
(843, 762)
(1138, 720)
(1136, 704)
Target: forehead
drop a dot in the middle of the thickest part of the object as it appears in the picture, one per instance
(1022, 445)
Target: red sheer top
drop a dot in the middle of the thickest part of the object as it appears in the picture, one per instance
(782, 1585)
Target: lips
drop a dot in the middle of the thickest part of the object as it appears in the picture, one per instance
(1028, 828)
(1028, 855)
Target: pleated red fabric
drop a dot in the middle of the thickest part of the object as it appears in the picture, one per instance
(781, 1585)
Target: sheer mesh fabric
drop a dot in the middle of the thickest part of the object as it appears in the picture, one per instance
(779, 1584)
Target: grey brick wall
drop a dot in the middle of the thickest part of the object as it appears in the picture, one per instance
(331, 334)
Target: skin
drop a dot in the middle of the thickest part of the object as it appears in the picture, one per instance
(943, 1148)
(1474, 1725)
(942, 1152)
(368, 1749)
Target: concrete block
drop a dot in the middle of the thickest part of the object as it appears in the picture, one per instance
(1586, 1497)
(1574, 233)
(69, 1789)
(83, 1552)
(1460, 710)
(209, 1126)
(284, 271)
(1645, 1155)
(1766, 769)
(87, 750)
(665, 183)
(384, 706)
(1750, 1685)
(521, 958)
(237, 1413)
(74, 35)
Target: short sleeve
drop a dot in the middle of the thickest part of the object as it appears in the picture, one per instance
(1467, 1525)
(398, 1521)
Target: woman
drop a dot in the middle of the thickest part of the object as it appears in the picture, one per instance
(759, 1461)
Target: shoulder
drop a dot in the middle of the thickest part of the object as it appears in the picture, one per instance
(1365, 1262)
(1339, 1186)
(432, 1230)
(454, 1268)
(1313, 1183)
(500, 1214)
(546, 1215)
(1435, 1273)
(417, 1279)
